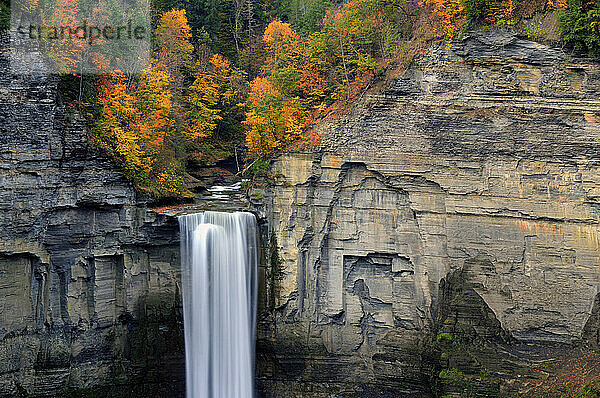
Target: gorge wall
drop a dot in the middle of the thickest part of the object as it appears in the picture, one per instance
(445, 237)
(89, 278)
(443, 240)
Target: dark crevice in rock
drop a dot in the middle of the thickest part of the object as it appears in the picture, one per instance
(463, 312)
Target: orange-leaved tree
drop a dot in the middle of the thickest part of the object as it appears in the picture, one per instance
(173, 46)
(134, 122)
(140, 120)
(278, 109)
(305, 79)
(273, 121)
(115, 128)
(68, 48)
(284, 47)
(446, 17)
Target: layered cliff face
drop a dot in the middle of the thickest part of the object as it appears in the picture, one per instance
(89, 278)
(446, 235)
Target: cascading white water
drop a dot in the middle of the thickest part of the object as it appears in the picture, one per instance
(219, 258)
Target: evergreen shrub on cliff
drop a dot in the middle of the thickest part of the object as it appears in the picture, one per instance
(580, 25)
(4, 15)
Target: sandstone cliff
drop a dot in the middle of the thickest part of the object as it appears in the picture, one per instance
(446, 235)
(89, 278)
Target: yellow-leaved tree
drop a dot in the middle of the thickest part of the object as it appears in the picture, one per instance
(213, 90)
(173, 46)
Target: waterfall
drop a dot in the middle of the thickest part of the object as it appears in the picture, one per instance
(219, 282)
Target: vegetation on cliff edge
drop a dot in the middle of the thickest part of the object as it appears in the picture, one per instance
(255, 76)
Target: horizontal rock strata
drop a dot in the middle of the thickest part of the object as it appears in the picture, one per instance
(459, 207)
(89, 279)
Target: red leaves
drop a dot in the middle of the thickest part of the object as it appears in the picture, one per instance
(572, 375)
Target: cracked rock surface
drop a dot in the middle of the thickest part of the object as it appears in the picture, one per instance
(464, 199)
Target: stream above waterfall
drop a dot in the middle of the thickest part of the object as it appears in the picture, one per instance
(226, 198)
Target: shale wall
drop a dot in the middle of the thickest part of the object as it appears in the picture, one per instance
(445, 237)
(90, 300)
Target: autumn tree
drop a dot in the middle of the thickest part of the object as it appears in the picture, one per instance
(173, 47)
(446, 17)
(138, 121)
(303, 78)
(115, 129)
(134, 123)
(215, 91)
(152, 122)
(349, 38)
(278, 111)
(273, 120)
(173, 55)
(65, 53)
(449, 17)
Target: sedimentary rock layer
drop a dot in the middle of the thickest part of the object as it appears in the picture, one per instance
(463, 200)
(89, 278)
